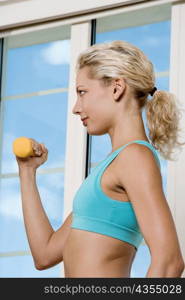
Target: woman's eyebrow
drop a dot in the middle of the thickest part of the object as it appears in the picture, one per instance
(79, 86)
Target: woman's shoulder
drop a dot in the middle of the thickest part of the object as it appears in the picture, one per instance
(136, 151)
(135, 157)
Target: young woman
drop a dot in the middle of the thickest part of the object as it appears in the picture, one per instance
(122, 200)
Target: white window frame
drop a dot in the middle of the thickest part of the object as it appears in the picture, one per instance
(46, 10)
(176, 170)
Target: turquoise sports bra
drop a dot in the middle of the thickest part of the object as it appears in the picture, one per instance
(94, 211)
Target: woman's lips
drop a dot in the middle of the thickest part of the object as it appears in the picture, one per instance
(85, 121)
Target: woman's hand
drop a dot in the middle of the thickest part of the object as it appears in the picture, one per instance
(33, 162)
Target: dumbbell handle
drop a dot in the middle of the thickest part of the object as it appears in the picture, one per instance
(25, 147)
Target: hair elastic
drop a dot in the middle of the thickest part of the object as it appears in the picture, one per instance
(153, 91)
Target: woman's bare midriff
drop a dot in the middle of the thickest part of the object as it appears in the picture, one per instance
(90, 254)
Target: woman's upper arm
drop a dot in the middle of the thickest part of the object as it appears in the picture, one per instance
(139, 174)
(56, 243)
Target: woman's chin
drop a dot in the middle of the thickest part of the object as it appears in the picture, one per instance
(94, 132)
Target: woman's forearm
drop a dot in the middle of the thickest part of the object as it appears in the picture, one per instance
(37, 225)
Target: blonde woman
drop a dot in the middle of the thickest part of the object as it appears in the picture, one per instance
(122, 200)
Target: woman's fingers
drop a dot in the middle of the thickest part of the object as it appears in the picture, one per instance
(39, 148)
(44, 149)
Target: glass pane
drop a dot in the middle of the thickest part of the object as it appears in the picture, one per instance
(51, 191)
(101, 146)
(42, 118)
(141, 262)
(149, 38)
(13, 235)
(162, 83)
(23, 266)
(37, 67)
(151, 33)
(33, 63)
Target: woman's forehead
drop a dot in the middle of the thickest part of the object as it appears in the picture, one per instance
(83, 73)
(82, 79)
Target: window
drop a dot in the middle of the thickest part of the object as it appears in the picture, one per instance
(34, 104)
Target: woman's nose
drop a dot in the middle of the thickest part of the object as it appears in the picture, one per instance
(76, 109)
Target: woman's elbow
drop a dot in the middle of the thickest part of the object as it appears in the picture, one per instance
(41, 262)
(175, 268)
(179, 267)
(41, 265)
(44, 264)
(168, 266)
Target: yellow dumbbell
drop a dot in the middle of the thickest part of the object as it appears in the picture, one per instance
(23, 147)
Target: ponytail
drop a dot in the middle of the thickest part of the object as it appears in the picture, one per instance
(163, 113)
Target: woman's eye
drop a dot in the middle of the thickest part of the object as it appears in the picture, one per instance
(80, 92)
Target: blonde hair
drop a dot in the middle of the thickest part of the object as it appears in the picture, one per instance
(121, 59)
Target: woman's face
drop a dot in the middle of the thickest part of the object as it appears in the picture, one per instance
(95, 102)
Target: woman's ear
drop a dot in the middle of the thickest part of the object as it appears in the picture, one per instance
(118, 88)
